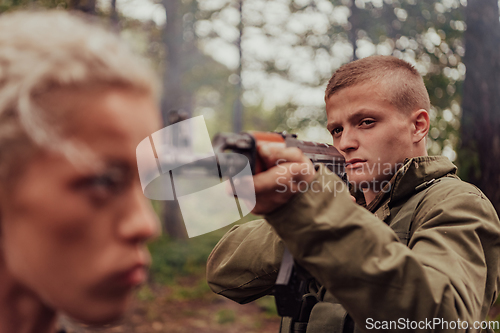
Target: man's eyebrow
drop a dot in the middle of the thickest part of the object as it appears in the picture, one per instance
(331, 126)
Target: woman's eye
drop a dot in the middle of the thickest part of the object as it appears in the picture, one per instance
(103, 186)
(113, 180)
(104, 182)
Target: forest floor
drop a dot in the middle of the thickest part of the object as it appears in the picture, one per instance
(186, 307)
(189, 306)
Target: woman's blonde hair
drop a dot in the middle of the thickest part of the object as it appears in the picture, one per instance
(45, 50)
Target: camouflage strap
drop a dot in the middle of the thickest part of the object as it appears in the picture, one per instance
(286, 325)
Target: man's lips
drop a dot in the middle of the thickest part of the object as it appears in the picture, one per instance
(354, 163)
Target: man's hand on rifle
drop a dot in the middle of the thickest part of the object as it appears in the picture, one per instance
(288, 172)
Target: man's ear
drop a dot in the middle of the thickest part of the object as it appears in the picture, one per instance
(421, 123)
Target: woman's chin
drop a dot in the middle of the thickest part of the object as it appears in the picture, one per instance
(101, 314)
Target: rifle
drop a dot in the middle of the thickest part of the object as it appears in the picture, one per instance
(246, 144)
(290, 287)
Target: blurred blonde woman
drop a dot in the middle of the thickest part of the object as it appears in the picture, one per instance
(74, 104)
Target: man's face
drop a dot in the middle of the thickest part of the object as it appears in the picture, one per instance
(74, 234)
(372, 135)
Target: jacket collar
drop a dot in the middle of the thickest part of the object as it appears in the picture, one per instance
(418, 170)
(414, 172)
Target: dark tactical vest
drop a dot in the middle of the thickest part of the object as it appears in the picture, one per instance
(328, 315)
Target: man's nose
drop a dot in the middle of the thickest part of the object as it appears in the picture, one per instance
(141, 223)
(347, 141)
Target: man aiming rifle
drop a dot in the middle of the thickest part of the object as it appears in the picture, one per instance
(418, 246)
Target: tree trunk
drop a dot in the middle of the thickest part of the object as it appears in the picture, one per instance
(480, 150)
(238, 106)
(86, 6)
(354, 22)
(114, 16)
(173, 40)
(172, 220)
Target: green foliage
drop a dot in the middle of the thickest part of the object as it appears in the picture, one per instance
(191, 292)
(469, 164)
(428, 33)
(173, 258)
(268, 304)
(145, 293)
(10, 5)
(225, 316)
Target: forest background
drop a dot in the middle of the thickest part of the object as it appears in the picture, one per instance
(264, 65)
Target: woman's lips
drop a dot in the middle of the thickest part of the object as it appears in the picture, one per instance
(121, 282)
(133, 276)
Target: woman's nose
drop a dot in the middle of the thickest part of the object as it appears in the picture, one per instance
(141, 223)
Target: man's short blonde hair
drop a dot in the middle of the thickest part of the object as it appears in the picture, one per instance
(41, 51)
(404, 85)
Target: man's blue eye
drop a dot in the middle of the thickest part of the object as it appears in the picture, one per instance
(337, 131)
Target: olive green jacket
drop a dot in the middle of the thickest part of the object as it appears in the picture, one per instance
(449, 270)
